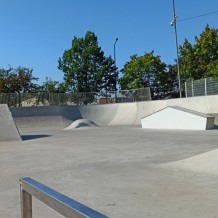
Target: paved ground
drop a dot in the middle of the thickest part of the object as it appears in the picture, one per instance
(115, 170)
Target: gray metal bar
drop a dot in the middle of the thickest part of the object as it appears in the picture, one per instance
(59, 202)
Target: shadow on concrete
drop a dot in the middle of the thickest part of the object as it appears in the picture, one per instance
(30, 137)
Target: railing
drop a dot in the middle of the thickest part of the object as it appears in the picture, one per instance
(201, 87)
(59, 202)
(58, 99)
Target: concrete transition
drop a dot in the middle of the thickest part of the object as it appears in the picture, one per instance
(203, 163)
(174, 117)
(48, 117)
(59, 117)
(8, 129)
(81, 123)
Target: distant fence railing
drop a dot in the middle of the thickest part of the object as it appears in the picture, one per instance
(46, 99)
(57, 201)
(207, 86)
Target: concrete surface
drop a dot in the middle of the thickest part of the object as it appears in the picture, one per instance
(99, 114)
(203, 163)
(81, 123)
(104, 115)
(116, 170)
(8, 129)
(119, 169)
(45, 116)
(125, 114)
(174, 117)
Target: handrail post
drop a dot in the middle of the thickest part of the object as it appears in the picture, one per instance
(26, 204)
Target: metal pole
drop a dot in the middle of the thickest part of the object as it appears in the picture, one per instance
(205, 86)
(115, 75)
(177, 47)
(26, 204)
(193, 94)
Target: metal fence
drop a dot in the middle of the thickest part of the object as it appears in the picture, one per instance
(46, 99)
(207, 86)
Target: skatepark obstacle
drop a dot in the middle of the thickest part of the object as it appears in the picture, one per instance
(81, 123)
(8, 129)
(175, 117)
(59, 117)
(59, 202)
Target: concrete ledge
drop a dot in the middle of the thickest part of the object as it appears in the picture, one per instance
(175, 117)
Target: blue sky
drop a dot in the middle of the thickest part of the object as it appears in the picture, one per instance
(35, 33)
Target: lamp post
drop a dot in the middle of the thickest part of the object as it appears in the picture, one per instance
(173, 23)
(115, 75)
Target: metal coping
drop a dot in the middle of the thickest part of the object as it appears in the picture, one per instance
(59, 202)
(181, 109)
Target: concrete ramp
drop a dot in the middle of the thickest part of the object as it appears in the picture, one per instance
(81, 123)
(99, 114)
(202, 163)
(50, 117)
(175, 117)
(8, 129)
(59, 117)
(125, 114)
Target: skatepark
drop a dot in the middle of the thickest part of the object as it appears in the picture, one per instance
(100, 156)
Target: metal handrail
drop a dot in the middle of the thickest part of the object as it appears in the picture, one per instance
(59, 202)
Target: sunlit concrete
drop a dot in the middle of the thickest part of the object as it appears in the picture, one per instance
(111, 114)
(8, 129)
(174, 117)
(118, 168)
(115, 170)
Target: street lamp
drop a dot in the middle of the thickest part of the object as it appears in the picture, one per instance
(173, 23)
(115, 74)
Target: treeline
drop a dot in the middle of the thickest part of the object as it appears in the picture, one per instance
(86, 69)
(21, 80)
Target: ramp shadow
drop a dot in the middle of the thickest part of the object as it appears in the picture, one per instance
(31, 137)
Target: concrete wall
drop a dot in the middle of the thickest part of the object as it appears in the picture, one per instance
(45, 116)
(108, 114)
(99, 114)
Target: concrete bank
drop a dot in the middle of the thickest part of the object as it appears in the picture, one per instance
(8, 129)
(111, 114)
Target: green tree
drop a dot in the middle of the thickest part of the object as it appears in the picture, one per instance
(51, 86)
(85, 67)
(213, 69)
(188, 62)
(142, 71)
(18, 80)
(109, 76)
(200, 60)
